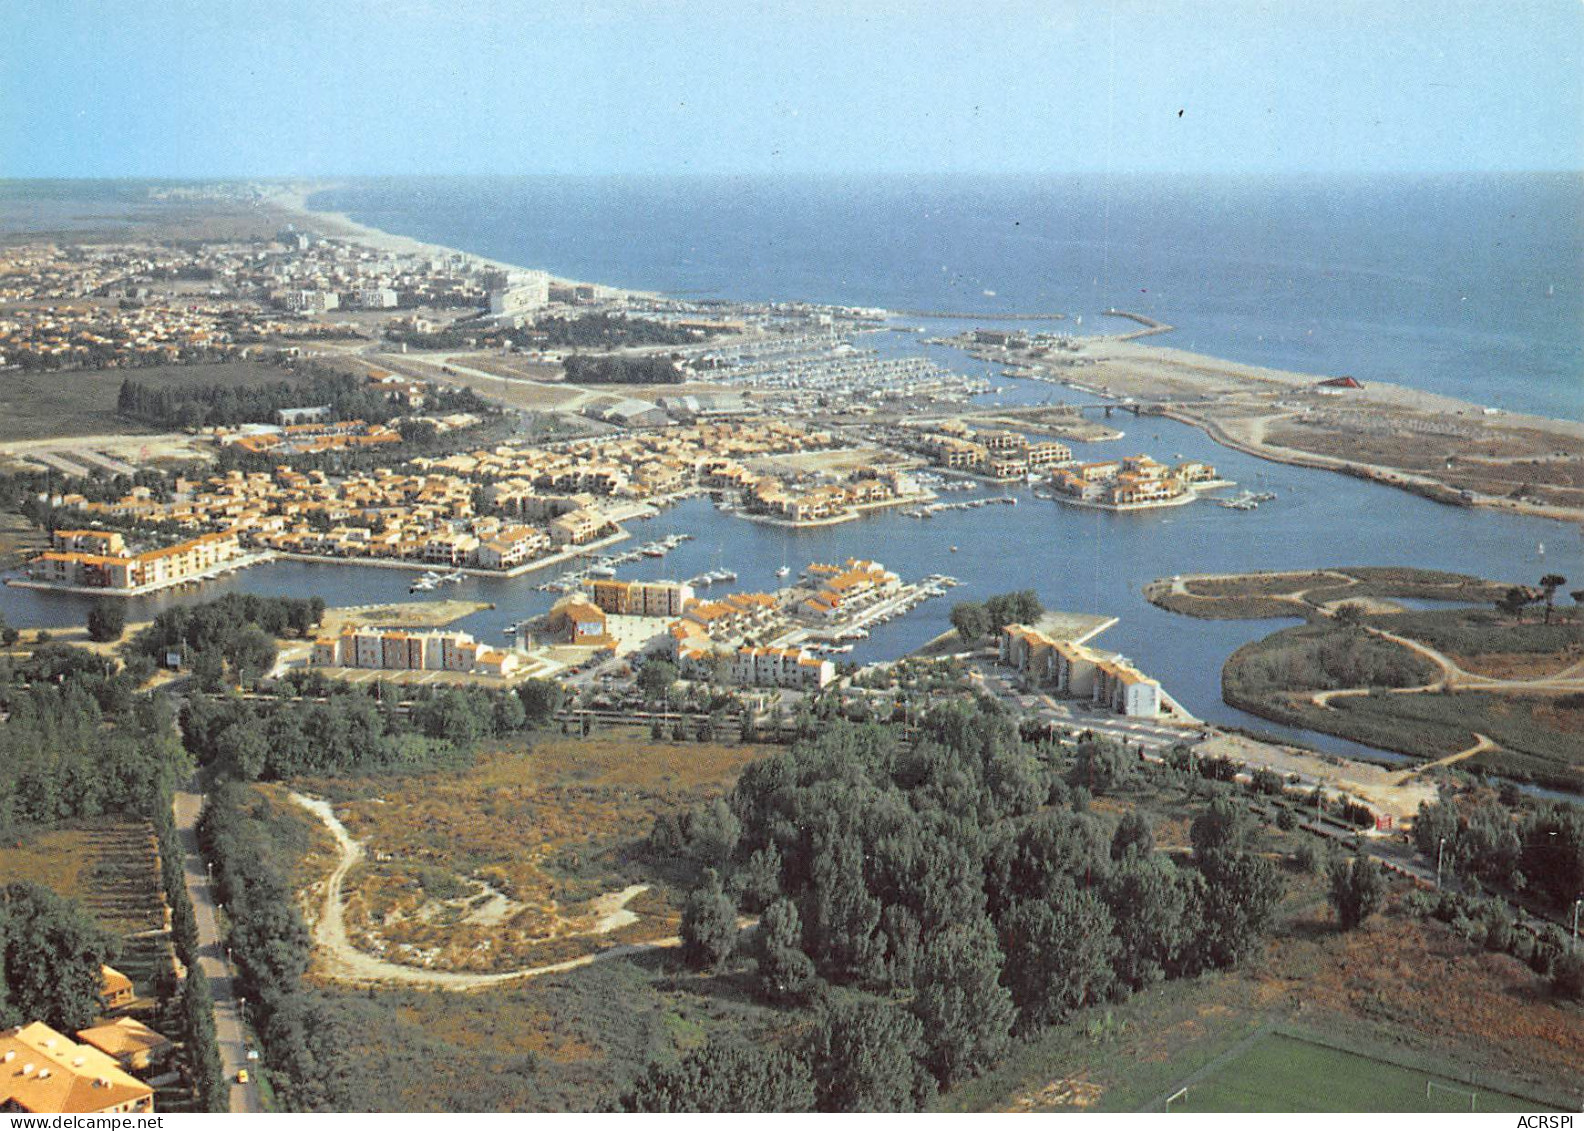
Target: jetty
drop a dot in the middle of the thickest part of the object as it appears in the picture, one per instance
(1151, 325)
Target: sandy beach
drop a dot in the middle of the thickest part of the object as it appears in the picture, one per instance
(293, 199)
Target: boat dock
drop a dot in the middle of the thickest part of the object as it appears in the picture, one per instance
(1247, 501)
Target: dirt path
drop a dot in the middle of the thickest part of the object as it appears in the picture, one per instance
(346, 963)
(1483, 745)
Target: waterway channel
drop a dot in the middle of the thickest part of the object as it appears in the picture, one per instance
(1077, 559)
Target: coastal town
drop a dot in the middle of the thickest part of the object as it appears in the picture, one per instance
(315, 393)
(804, 559)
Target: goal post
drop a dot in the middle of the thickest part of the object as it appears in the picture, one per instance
(1433, 1086)
(1180, 1095)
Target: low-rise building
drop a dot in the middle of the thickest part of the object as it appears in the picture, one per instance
(577, 620)
(43, 1072)
(781, 667)
(395, 650)
(115, 987)
(642, 598)
(132, 1044)
(1080, 673)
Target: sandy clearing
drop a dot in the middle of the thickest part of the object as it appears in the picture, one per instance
(346, 963)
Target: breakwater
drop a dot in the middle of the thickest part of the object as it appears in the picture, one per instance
(1151, 325)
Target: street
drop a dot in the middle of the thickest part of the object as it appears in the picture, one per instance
(212, 961)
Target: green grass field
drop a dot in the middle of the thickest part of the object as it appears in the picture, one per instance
(1281, 1073)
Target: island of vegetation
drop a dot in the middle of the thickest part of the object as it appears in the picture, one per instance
(1498, 684)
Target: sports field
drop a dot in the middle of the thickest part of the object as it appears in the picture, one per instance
(1282, 1073)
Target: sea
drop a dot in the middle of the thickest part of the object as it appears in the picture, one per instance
(1471, 287)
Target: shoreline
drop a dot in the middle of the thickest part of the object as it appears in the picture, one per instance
(1120, 350)
(236, 565)
(293, 199)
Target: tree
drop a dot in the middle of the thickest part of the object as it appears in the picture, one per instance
(251, 653)
(1058, 954)
(1514, 601)
(541, 699)
(1148, 899)
(106, 620)
(1235, 904)
(1101, 766)
(724, 1076)
(1133, 836)
(842, 917)
(786, 974)
(1553, 852)
(655, 679)
(1267, 781)
(971, 621)
(1358, 889)
(50, 955)
(709, 925)
(867, 1056)
(1221, 827)
(1349, 614)
(242, 751)
(712, 833)
(1021, 607)
(966, 1013)
(1549, 584)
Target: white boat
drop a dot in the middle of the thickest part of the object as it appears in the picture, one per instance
(783, 571)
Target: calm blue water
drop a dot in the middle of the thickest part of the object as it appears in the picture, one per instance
(1469, 286)
(1359, 277)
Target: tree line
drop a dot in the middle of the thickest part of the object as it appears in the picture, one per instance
(606, 331)
(348, 729)
(232, 636)
(1539, 851)
(79, 741)
(270, 945)
(618, 369)
(350, 397)
(974, 620)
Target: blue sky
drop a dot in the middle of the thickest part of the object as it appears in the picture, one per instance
(337, 87)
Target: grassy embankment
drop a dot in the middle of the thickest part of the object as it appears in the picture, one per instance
(1540, 735)
(1305, 593)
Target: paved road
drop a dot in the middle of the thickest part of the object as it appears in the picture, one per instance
(211, 954)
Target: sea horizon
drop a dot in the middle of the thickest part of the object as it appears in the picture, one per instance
(1470, 286)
